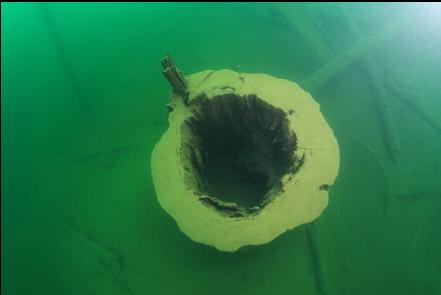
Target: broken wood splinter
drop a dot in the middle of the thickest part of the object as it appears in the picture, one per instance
(175, 77)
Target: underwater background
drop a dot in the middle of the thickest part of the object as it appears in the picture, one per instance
(83, 102)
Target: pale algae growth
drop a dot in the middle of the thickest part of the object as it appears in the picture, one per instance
(84, 103)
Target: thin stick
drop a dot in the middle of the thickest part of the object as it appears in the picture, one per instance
(317, 260)
(108, 261)
(54, 33)
(102, 253)
(386, 200)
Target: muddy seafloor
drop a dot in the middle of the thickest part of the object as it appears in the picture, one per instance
(84, 102)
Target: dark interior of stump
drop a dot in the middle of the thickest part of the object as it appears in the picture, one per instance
(238, 147)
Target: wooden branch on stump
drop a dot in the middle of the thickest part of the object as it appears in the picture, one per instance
(175, 77)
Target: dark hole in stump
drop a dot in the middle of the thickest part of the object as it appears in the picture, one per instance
(237, 147)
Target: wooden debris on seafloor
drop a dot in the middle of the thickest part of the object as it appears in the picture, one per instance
(359, 49)
(373, 71)
(294, 18)
(398, 92)
(410, 101)
(362, 49)
(300, 18)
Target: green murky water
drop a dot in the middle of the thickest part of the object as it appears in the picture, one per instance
(83, 104)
